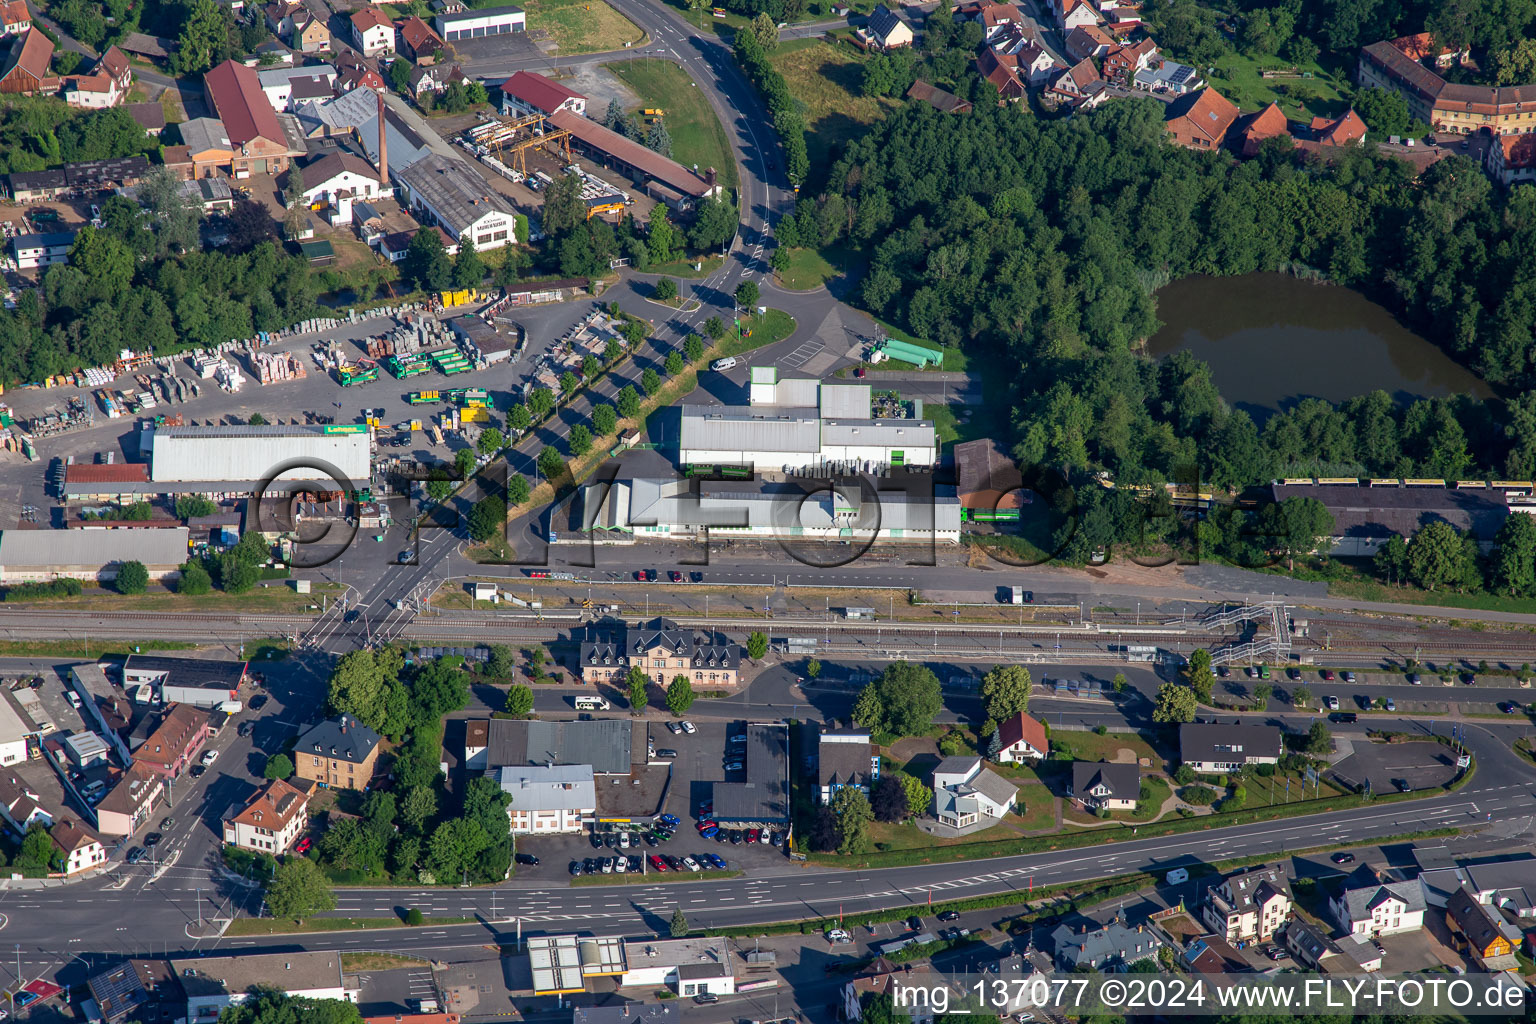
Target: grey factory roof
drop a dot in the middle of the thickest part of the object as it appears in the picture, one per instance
(776, 429)
(91, 549)
(99, 173)
(268, 77)
(889, 433)
(458, 195)
(343, 737)
(358, 111)
(844, 758)
(561, 787)
(245, 453)
(1205, 741)
(293, 972)
(844, 401)
(222, 675)
(26, 181)
(755, 504)
(646, 953)
(1122, 780)
(1384, 511)
(625, 1013)
(205, 133)
(764, 797)
(1505, 881)
(477, 13)
(1359, 902)
(604, 744)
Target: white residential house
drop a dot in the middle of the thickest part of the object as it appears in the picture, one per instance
(1250, 904)
(1019, 739)
(549, 799)
(35, 251)
(273, 818)
(886, 30)
(372, 32)
(1110, 787)
(340, 179)
(968, 796)
(1370, 907)
(1074, 13)
(1036, 65)
(79, 846)
(20, 805)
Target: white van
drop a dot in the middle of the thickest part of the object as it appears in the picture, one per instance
(589, 703)
(728, 363)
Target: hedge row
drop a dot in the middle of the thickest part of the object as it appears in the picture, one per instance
(787, 119)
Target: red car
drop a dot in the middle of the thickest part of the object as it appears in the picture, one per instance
(657, 864)
(753, 835)
(675, 576)
(302, 845)
(1327, 675)
(708, 823)
(858, 371)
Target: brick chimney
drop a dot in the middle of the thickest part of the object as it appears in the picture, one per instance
(383, 146)
(709, 178)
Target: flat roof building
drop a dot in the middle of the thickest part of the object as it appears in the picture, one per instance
(200, 673)
(548, 799)
(476, 24)
(91, 555)
(213, 983)
(254, 454)
(763, 799)
(562, 963)
(604, 744)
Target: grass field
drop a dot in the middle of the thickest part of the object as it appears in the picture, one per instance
(1239, 79)
(807, 269)
(583, 26)
(378, 961)
(1089, 746)
(697, 135)
(826, 79)
(965, 422)
(261, 599)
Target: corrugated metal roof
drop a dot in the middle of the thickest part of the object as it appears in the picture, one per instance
(887, 433)
(91, 549)
(181, 454)
(706, 429)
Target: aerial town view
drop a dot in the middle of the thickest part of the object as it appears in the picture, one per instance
(742, 512)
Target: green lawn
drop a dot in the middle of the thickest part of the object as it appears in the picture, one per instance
(826, 80)
(807, 269)
(1089, 746)
(774, 326)
(966, 422)
(583, 26)
(1239, 79)
(697, 135)
(684, 268)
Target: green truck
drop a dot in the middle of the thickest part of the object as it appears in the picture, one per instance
(361, 373)
(406, 366)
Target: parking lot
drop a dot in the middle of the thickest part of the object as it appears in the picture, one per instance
(688, 778)
(1391, 767)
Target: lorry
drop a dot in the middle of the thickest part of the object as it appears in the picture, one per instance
(423, 397)
(406, 365)
(360, 373)
(469, 398)
(1018, 595)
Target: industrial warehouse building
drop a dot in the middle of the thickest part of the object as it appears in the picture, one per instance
(90, 555)
(443, 191)
(250, 455)
(487, 21)
(802, 424)
(837, 510)
(764, 798)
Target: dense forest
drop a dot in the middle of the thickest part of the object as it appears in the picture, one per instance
(1495, 31)
(1039, 243)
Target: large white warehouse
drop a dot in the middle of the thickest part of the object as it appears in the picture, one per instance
(799, 424)
(252, 454)
(838, 511)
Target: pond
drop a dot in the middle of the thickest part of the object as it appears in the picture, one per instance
(1272, 340)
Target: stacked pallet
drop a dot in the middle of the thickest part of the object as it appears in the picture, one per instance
(273, 367)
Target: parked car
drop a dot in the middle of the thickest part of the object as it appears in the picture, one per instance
(674, 576)
(1343, 858)
(674, 727)
(728, 363)
(715, 861)
(136, 854)
(734, 766)
(711, 832)
(666, 753)
(575, 868)
(914, 923)
(1391, 704)
(1333, 703)
(689, 727)
(526, 858)
(1414, 680)
(302, 846)
(690, 864)
(1509, 707)
(950, 915)
(167, 823)
(152, 839)
(696, 577)
(705, 823)
(589, 866)
(736, 837)
(210, 756)
(657, 864)
(1326, 675)
(670, 819)
(753, 834)
(839, 937)
(1348, 677)
(258, 702)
